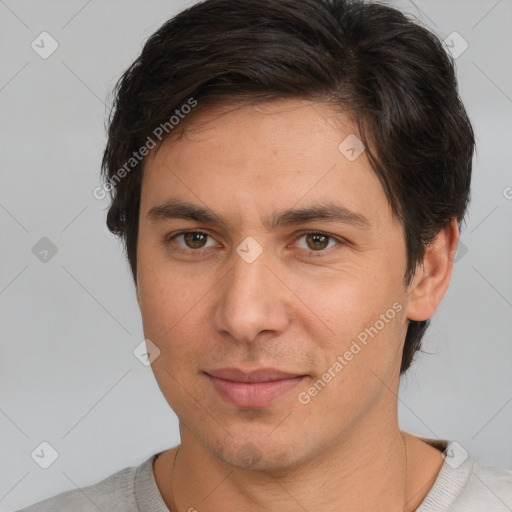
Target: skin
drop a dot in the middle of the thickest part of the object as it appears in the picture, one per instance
(295, 307)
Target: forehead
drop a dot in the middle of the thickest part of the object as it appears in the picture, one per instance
(284, 127)
(263, 157)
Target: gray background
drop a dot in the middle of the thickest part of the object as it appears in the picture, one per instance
(69, 325)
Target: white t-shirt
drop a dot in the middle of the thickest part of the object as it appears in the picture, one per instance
(464, 484)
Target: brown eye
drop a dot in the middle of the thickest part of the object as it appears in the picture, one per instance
(315, 244)
(195, 240)
(189, 241)
(317, 241)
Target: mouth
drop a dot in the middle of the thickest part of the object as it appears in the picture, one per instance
(254, 389)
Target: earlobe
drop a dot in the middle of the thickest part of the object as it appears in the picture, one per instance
(432, 277)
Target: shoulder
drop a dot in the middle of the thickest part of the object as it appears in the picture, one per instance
(468, 484)
(489, 488)
(114, 493)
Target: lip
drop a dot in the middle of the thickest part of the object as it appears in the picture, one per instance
(253, 389)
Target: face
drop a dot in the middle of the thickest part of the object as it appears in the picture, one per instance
(279, 331)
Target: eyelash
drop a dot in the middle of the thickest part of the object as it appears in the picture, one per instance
(311, 253)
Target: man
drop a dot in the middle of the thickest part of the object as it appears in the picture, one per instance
(289, 179)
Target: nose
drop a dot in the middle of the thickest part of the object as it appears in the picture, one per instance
(252, 299)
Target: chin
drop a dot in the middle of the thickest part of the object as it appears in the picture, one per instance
(258, 452)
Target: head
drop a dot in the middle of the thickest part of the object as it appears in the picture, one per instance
(247, 109)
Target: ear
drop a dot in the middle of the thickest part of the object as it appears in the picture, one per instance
(136, 283)
(433, 275)
(137, 289)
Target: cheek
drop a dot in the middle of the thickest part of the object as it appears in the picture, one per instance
(366, 316)
(349, 303)
(165, 294)
(169, 310)
(360, 367)
(164, 302)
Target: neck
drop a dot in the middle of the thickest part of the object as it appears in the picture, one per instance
(365, 471)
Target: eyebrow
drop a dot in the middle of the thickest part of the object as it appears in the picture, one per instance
(330, 212)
